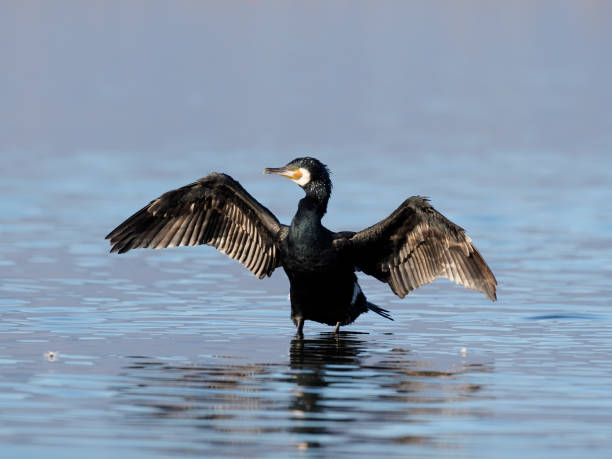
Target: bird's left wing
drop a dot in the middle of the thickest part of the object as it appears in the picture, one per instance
(215, 210)
(414, 246)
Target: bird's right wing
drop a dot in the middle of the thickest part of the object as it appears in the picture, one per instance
(414, 246)
(215, 210)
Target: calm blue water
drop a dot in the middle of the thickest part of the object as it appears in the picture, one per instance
(183, 352)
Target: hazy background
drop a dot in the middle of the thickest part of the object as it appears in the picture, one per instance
(499, 111)
(312, 76)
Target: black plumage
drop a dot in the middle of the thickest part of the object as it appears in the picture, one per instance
(412, 247)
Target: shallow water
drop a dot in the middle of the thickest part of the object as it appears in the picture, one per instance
(183, 352)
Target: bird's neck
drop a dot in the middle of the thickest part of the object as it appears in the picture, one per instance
(306, 225)
(315, 202)
(306, 228)
(311, 209)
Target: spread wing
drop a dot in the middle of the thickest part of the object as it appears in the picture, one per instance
(414, 246)
(215, 210)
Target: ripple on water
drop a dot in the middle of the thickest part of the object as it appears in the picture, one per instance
(332, 393)
(181, 352)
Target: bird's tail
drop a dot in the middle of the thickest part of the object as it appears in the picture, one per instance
(378, 310)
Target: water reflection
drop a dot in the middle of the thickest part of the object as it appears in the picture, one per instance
(335, 392)
(311, 364)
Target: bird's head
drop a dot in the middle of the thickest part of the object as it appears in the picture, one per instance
(309, 173)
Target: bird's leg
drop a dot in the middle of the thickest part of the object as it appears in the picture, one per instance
(300, 327)
(337, 329)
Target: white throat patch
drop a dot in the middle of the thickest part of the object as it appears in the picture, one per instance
(304, 178)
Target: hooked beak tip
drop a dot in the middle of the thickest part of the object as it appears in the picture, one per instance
(290, 173)
(274, 170)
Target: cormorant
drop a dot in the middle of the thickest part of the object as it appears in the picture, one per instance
(411, 247)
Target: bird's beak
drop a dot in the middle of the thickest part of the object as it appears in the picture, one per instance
(293, 174)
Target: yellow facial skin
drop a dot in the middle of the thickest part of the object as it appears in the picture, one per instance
(293, 175)
(300, 175)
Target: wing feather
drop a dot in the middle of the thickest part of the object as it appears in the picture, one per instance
(189, 230)
(416, 245)
(215, 210)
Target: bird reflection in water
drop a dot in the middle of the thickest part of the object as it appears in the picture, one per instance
(310, 359)
(333, 387)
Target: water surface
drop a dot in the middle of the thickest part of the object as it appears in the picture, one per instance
(499, 113)
(183, 352)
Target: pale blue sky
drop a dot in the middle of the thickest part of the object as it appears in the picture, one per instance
(305, 76)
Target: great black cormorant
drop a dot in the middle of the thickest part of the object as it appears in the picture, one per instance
(412, 247)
